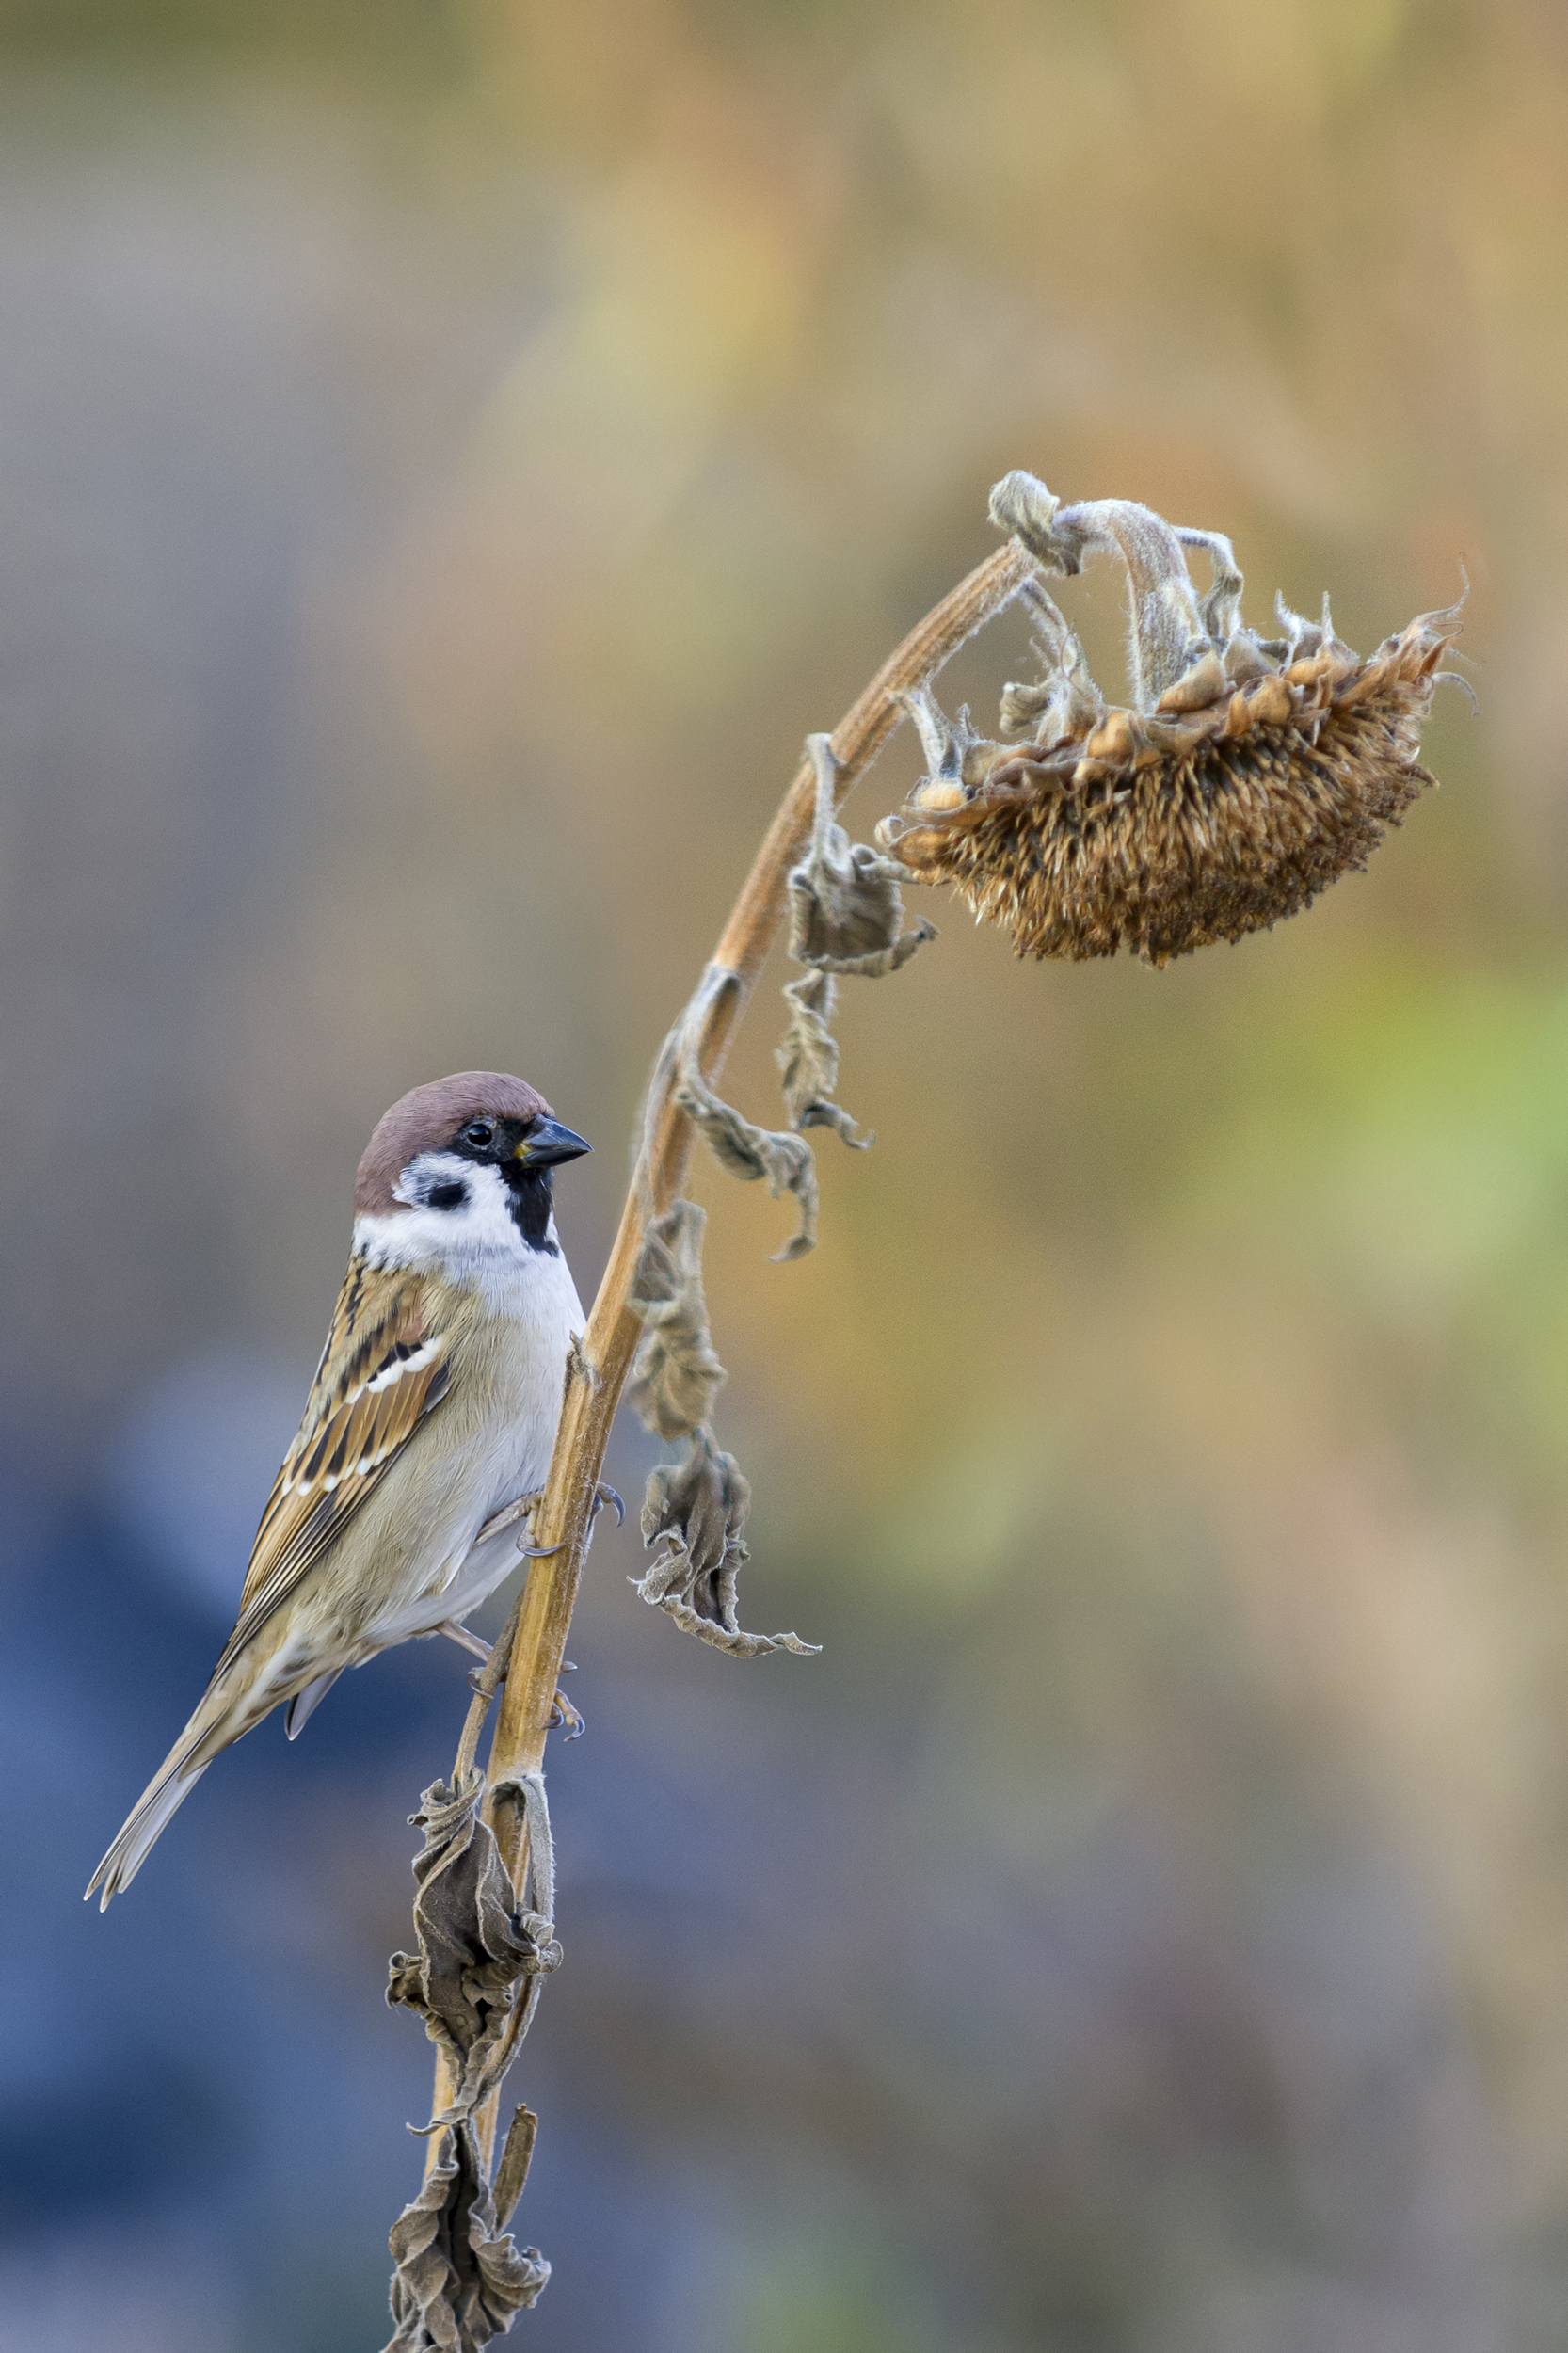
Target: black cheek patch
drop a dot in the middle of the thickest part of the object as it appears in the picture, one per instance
(453, 1196)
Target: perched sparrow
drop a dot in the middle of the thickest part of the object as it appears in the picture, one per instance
(435, 1404)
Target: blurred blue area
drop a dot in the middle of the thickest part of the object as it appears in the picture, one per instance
(820, 1945)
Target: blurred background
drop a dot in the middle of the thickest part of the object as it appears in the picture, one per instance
(450, 453)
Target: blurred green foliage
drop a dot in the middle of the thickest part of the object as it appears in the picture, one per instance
(379, 34)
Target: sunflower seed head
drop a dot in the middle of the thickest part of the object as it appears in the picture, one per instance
(1244, 777)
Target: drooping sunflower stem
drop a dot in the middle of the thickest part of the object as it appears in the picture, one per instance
(598, 1368)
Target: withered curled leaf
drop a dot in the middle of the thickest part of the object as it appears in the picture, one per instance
(474, 1980)
(698, 1509)
(846, 913)
(807, 1061)
(459, 2280)
(676, 1375)
(846, 917)
(753, 1154)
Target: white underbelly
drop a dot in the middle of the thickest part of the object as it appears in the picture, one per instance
(505, 1459)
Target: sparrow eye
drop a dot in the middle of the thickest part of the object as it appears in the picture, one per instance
(479, 1132)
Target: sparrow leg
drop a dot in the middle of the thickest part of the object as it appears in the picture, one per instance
(508, 1516)
(475, 1643)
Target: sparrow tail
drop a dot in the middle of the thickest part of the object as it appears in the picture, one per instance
(153, 1809)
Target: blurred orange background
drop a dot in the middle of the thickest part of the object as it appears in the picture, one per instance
(449, 457)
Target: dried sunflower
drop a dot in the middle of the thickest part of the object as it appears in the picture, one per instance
(1247, 774)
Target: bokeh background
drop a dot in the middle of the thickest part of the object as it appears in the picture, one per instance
(450, 453)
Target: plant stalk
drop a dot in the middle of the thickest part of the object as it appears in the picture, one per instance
(595, 1375)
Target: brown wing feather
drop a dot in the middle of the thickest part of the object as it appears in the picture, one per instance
(382, 1370)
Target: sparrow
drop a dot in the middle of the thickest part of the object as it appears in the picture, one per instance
(434, 1405)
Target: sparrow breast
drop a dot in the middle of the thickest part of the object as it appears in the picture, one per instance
(499, 1288)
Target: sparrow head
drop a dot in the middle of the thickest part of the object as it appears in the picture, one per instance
(468, 1148)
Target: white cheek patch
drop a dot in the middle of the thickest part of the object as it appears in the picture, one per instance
(477, 1243)
(440, 1182)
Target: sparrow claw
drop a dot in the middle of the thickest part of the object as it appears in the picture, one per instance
(563, 1712)
(541, 1552)
(604, 1493)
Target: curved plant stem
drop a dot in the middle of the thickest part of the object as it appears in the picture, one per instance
(534, 1641)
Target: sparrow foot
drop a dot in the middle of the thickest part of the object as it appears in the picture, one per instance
(474, 1644)
(604, 1493)
(563, 1712)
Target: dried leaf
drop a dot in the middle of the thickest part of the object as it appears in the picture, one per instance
(677, 1375)
(698, 1509)
(753, 1153)
(732, 1640)
(846, 914)
(478, 1948)
(459, 2280)
(701, 1506)
(516, 2155)
(808, 1061)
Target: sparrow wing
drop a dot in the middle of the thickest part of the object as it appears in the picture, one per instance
(384, 1367)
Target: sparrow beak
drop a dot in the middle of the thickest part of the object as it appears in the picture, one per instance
(548, 1144)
